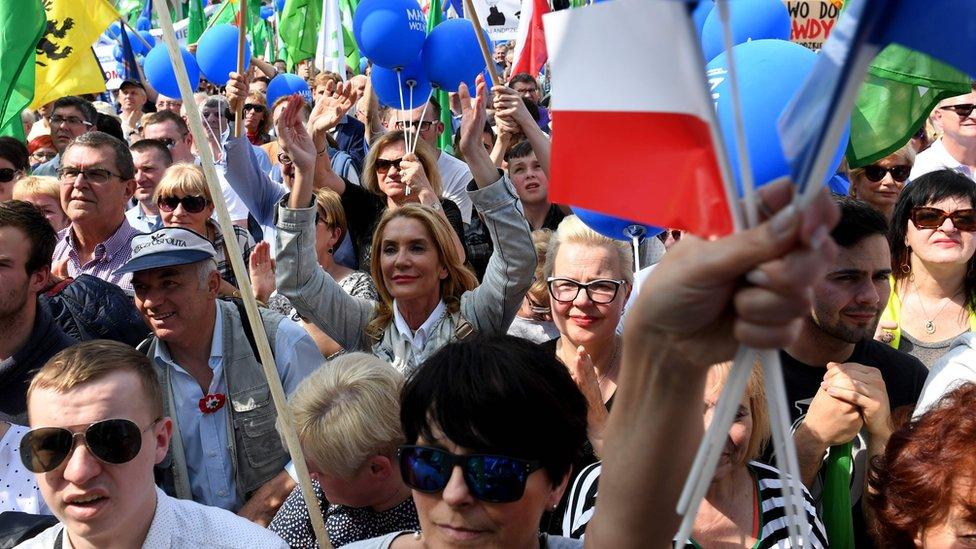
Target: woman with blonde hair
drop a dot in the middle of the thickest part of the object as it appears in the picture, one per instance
(881, 182)
(44, 192)
(184, 200)
(257, 121)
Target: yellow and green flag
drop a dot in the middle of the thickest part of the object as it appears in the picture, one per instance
(22, 25)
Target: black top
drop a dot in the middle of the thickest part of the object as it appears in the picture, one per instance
(363, 211)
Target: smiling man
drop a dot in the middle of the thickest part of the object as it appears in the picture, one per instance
(101, 489)
(956, 149)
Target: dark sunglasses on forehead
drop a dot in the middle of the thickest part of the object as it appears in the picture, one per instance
(384, 164)
(7, 175)
(114, 441)
(924, 217)
(192, 204)
(491, 478)
(876, 173)
(963, 109)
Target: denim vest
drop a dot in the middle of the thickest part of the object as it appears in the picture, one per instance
(255, 447)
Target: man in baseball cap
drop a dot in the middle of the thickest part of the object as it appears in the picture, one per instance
(132, 99)
(206, 358)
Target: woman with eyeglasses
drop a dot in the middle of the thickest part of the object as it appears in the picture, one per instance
(880, 183)
(41, 149)
(14, 164)
(533, 321)
(492, 428)
(256, 119)
(184, 200)
(933, 240)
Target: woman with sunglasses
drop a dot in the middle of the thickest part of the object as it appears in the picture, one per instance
(256, 119)
(880, 183)
(489, 452)
(933, 240)
(184, 201)
(14, 164)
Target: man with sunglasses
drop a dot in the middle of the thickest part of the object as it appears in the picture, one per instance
(956, 149)
(70, 117)
(97, 430)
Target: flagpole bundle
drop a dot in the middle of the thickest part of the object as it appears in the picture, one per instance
(247, 294)
(241, 44)
(473, 15)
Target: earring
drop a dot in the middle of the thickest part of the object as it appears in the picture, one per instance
(906, 268)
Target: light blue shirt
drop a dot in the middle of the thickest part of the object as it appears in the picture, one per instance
(142, 222)
(205, 436)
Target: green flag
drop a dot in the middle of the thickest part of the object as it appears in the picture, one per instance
(22, 24)
(446, 140)
(901, 89)
(197, 22)
(837, 497)
(299, 28)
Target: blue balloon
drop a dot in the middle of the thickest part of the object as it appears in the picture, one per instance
(149, 38)
(451, 54)
(113, 30)
(267, 12)
(137, 45)
(390, 32)
(143, 23)
(750, 20)
(287, 84)
(701, 12)
(217, 53)
(159, 71)
(280, 4)
(389, 83)
(612, 227)
(770, 72)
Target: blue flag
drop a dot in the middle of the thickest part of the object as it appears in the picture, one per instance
(130, 69)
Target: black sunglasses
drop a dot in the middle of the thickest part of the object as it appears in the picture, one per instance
(253, 107)
(7, 175)
(963, 109)
(192, 204)
(876, 173)
(384, 165)
(491, 478)
(114, 441)
(932, 218)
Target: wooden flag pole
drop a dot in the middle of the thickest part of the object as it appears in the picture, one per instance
(241, 44)
(287, 421)
(473, 16)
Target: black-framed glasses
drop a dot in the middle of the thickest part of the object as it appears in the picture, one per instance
(113, 441)
(424, 125)
(924, 217)
(876, 173)
(963, 109)
(491, 478)
(69, 120)
(384, 164)
(191, 204)
(94, 175)
(253, 107)
(284, 158)
(7, 174)
(565, 290)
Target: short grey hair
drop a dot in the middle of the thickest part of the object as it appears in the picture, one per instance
(204, 268)
(99, 140)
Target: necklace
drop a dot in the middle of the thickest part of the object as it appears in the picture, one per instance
(930, 321)
(611, 365)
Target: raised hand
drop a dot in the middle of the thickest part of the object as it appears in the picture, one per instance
(261, 269)
(331, 107)
(510, 106)
(294, 137)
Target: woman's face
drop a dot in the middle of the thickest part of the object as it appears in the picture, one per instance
(389, 179)
(455, 518)
(253, 116)
(883, 194)
(954, 532)
(737, 443)
(181, 217)
(42, 155)
(582, 320)
(945, 245)
(51, 208)
(326, 237)
(409, 261)
(7, 169)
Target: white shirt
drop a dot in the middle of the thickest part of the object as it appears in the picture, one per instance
(18, 491)
(185, 524)
(419, 338)
(455, 176)
(936, 157)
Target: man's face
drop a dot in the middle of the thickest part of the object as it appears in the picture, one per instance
(169, 132)
(848, 302)
(164, 103)
(499, 54)
(430, 127)
(530, 181)
(280, 66)
(527, 90)
(358, 84)
(85, 200)
(67, 123)
(214, 119)
(132, 98)
(957, 127)
(173, 302)
(150, 166)
(95, 500)
(17, 286)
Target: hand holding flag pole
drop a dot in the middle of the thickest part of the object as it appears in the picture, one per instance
(241, 44)
(473, 15)
(237, 263)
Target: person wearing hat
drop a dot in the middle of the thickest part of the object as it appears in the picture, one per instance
(132, 98)
(226, 451)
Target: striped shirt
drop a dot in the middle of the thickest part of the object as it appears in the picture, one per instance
(772, 522)
(108, 256)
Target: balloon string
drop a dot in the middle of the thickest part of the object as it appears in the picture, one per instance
(637, 263)
(423, 114)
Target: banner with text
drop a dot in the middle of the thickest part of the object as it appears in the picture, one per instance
(812, 21)
(499, 18)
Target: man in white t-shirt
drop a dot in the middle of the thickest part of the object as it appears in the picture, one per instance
(455, 174)
(956, 149)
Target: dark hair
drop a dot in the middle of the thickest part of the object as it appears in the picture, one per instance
(532, 108)
(145, 145)
(435, 107)
(915, 481)
(110, 125)
(31, 221)
(519, 150)
(15, 152)
(524, 78)
(97, 140)
(86, 108)
(858, 220)
(499, 394)
(931, 187)
(167, 115)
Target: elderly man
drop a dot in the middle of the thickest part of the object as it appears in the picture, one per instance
(96, 179)
(956, 149)
(102, 489)
(132, 98)
(204, 351)
(151, 157)
(70, 117)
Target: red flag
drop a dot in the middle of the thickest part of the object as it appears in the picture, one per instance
(530, 45)
(642, 148)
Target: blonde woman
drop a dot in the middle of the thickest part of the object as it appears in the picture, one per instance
(881, 182)
(257, 121)
(45, 193)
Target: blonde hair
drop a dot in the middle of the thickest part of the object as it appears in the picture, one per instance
(258, 98)
(756, 393)
(459, 278)
(93, 360)
(573, 231)
(425, 154)
(348, 411)
(323, 78)
(39, 185)
(856, 175)
(538, 292)
(185, 179)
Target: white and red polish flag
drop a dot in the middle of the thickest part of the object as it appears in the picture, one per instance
(633, 117)
(530, 43)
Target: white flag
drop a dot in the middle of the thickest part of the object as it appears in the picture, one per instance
(330, 55)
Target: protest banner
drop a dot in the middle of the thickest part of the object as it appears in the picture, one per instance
(812, 21)
(499, 18)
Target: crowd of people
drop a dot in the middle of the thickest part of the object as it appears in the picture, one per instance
(467, 363)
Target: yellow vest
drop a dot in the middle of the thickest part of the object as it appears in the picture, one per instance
(893, 312)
